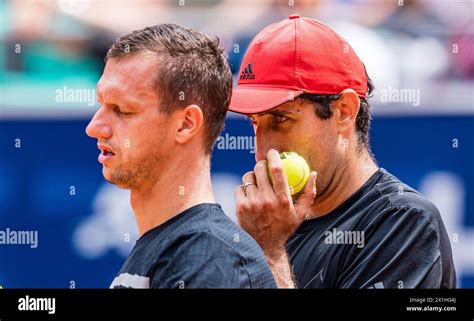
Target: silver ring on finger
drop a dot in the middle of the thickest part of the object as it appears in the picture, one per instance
(247, 184)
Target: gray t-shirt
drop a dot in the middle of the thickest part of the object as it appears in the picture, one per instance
(386, 235)
(198, 248)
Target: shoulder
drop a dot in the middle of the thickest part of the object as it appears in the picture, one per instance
(406, 202)
(208, 250)
(210, 230)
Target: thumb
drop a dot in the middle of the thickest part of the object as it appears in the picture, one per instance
(307, 197)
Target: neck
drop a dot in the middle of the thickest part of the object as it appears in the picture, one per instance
(182, 185)
(346, 181)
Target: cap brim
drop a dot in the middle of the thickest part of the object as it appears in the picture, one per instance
(253, 100)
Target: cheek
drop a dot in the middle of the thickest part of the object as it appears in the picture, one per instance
(327, 133)
(139, 138)
(321, 145)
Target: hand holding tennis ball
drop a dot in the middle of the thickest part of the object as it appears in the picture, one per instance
(270, 211)
(296, 170)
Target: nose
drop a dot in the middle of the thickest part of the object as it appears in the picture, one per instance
(260, 155)
(98, 126)
(263, 143)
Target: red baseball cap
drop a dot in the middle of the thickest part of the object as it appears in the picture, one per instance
(295, 56)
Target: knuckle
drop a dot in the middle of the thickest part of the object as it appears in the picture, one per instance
(276, 170)
(268, 203)
(260, 165)
(284, 202)
(242, 208)
(247, 176)
(254, 206)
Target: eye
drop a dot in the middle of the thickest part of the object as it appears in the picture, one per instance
(279, 119)
(120, 112)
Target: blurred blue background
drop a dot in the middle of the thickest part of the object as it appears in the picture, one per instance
(51, 57)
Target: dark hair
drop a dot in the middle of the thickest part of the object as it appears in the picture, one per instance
(193, 69)
(322, 107)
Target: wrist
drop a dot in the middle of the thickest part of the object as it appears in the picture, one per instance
(280, 265)
(275, 255)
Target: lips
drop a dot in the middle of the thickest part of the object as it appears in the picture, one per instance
(106, 153)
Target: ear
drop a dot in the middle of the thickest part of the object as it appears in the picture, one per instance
(346, 109)
(190, 120)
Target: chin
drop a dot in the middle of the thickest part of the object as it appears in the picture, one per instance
(115, 178)
(106, 173)
(108, 176)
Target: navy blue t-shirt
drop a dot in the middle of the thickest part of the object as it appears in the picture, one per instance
(386, 235)
(198, 248)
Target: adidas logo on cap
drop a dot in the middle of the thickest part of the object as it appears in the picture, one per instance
(247, 73)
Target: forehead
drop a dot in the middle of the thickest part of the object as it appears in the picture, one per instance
(290, 107)
(129, 78)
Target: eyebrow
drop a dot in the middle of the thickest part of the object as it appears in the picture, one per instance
(123, 102)
(277, 112)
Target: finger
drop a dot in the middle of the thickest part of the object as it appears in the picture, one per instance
(306, 199)
(247, 177)
(240, 200)
(250, 190)
(261, 174)
(279, 179)
(239, 195)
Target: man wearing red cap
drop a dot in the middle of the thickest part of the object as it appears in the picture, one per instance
(305, 90)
